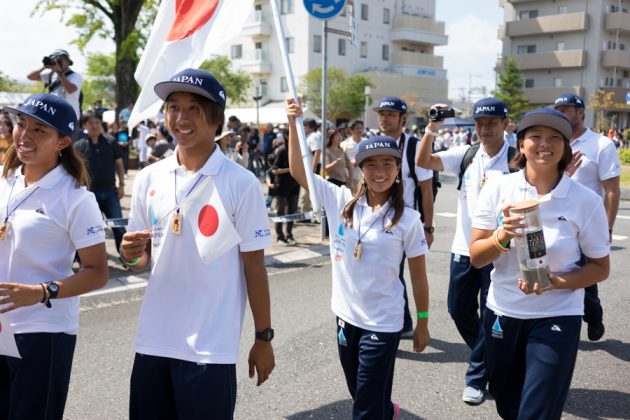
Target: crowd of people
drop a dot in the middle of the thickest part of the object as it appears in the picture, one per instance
(198, 216)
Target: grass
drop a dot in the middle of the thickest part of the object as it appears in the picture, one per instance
(625, 176)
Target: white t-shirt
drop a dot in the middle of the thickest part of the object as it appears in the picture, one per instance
(73, 98)
(421, 173)
(191, 310)
(351, 148)
(600, 160)
(481, 165)
(367, 293)
(52, 220)
(573, 219)
(314, 141)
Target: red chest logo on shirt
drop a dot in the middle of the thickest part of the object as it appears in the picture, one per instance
(208, 220)
(190, 16)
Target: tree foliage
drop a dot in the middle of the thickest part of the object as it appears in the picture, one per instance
(510, 89)
(602, 101)
(344, 95)
(236, 83)
(99, 81)
(7, 84)
(126, 22)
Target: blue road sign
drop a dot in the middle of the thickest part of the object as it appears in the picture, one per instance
(324, 9)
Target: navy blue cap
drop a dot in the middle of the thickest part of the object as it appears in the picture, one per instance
(569, 99)
(546, 117)
(377, 146)
(392, 103)
(194, 81)
(52, 110)
(490, 107)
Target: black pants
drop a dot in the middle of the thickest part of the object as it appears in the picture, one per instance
(36, 386)
(285, 205)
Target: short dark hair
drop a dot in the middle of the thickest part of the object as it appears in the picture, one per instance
(354, 123)
(212, 112)
(91, 114)
(311, 123)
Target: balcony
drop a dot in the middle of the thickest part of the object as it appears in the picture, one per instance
(617, 21)
(258, 25)
(616, 58)
(546, 96)
(255, 62)
(501, 32)
(409, 58)
(552, 60)
(418, 30)
(569, 22)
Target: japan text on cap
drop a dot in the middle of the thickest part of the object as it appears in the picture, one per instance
(377, 146)
(569, 99)
(51, 110)
(490, 107)
(549, 118)
(392, 103)
(201, 82)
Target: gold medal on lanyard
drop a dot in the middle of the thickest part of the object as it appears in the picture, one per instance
(177, 223)
(482, 181)
(357, 251)
(4, 229)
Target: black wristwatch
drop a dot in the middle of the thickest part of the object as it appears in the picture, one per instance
(53, 289)
(429, 229)
(266, 335)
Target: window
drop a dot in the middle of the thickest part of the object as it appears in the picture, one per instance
(612, 45)
(386, 52)
(386, 16)
(528, 14)
(263, 87)
(557, 82)
(560, 46)
(287, 7)
(284, 86)
(290, 43)
(237, 51)
(364, 49)
(619, 82)
(341, 46)
(529, 83)
(364, 12)
(622, 47)
(562, 10)
(626, 74)
(526, 49)
(317, 43)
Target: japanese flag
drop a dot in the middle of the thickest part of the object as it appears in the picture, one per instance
(184, 34)
(214, 231)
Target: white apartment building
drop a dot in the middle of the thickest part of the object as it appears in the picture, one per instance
(395, 48)
(574, 46)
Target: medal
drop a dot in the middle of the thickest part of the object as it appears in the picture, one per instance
(482, 182)
(357, 251)
(177, 223)
(4, 229)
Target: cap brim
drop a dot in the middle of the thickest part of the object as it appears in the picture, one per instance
(46, 123)
(163, 89)
(547, 120)
(383, 151)
(386, 108)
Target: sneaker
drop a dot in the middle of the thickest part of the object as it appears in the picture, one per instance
(472, 395)
(291, 241)
(396, 410)
(596, 331)
(282, 240)
(407, 333)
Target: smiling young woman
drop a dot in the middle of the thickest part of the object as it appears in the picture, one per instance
(48, 215)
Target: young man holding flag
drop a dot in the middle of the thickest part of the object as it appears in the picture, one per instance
(199, 220)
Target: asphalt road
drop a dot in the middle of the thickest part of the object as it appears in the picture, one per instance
(308, 382)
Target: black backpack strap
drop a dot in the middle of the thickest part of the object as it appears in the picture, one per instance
(510, 156)
(466, 161)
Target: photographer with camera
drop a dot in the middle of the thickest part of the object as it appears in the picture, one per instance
(468, 286)
(59, 79)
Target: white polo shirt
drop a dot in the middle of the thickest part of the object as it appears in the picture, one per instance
(367, 293)
(573, 219)
(73, 98)
(191, 310)
(46, 229)
(314, 141)
(600, 160)
(351, 148)
(481, 165)
(421, 173)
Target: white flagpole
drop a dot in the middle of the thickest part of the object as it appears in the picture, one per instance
(288, 71)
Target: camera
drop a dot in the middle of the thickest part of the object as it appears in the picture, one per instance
(438, 113)
(51, 60)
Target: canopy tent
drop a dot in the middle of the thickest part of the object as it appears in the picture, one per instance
(12, 98)
(272, 112)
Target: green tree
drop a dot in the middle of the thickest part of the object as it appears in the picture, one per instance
(602, 101)
(510, 89)
(7, 84)
(99, 81)
(236, 83)
(344, 96)
(126, 22)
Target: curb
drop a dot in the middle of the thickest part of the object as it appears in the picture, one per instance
(625, 194)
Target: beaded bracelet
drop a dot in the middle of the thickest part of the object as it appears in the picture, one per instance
(499, 245)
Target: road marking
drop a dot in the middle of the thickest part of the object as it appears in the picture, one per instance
(446, 214)
(619, 238)
(623, 217)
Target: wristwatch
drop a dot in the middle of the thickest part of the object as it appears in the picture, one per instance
(53, 289)
(266, 335)
(429, 229)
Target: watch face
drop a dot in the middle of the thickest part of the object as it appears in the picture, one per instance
(266, 335)
(53, 288)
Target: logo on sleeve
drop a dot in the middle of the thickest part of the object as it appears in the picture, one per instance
(93, 230)
(262, 233)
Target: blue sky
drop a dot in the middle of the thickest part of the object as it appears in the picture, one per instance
(470, 24)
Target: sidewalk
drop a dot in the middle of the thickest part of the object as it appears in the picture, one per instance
(308, 237)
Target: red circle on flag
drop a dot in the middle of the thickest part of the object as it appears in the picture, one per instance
(190, 16)
(151, 193)
(208, 220)
(0, 327)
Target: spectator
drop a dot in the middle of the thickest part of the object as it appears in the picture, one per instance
(125, 113)
(224, 140)
(268, 137)
(6, 136)
(287, 192)
(337, 164)
(350, 146)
